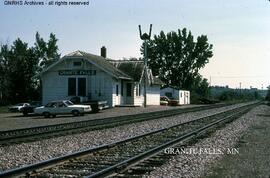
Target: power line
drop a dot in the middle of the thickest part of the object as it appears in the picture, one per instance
(261, 76)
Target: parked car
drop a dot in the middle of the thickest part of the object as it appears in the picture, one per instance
(18, 107)
(30, 108)
(96, 105)
(62, 107)
(164, 100)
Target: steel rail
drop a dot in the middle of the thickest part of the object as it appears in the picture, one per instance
(51, 162)
(124, 165)
(28, 134)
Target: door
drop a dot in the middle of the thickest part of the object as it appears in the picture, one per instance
(62, 108)
(129, 93)
(81, 86)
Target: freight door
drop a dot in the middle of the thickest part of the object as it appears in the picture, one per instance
(129, 93)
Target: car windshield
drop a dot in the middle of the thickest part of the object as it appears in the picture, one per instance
(20, 104)
(51, 104)
(68, 103)
(164, 98)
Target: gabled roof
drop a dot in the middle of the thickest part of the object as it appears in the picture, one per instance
(123, 69)
(134, 68)
(98, 61)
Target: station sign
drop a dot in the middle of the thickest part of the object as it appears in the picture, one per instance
(77, 72)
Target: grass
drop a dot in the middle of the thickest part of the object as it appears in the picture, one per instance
(4, 109)
(236, 101)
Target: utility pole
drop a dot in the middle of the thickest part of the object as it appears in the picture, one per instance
(145, 37)
(240, 86)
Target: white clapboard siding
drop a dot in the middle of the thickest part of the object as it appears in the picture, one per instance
(116, 99)
(99, 86)
(55, 87)
(153, 95)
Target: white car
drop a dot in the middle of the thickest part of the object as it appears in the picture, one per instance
(62, 107)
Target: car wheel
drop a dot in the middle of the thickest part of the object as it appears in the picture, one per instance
(46, 114)
(53, 115)
(75, 113)
(25, 113)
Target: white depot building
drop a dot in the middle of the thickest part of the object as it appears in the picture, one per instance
(97, 78)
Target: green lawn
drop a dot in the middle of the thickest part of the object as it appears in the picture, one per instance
(4, 109)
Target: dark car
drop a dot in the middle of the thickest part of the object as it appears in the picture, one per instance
(95, 104)
(18, 107)
(30, 108)
(164, 100)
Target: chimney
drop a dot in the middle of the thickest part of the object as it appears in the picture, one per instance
(103, 51)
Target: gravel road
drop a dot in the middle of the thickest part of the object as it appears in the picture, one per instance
(27, 153)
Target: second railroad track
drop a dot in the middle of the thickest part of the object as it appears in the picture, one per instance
(42, 132)
(123, 158)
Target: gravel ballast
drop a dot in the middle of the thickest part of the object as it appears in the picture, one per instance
(197, 165)
(28, 153)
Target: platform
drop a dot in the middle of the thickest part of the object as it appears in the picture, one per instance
(11, 121)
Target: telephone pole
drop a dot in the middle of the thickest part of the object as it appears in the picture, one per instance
(145, 37)
(240, 86)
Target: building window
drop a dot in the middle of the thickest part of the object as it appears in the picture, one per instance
(129, 88)
(117, 90)
(77, 63)
(122, 88)
(81, 87)
(71, 86)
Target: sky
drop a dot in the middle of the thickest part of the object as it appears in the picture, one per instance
(239, 31)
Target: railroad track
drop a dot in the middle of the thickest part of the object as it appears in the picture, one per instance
(42, 132)
(127, 158)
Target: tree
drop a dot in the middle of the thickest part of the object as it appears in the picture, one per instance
(4, 53)
(176, 58)
(20, 65)
(46, 52)
(267, 98)
(201, 86)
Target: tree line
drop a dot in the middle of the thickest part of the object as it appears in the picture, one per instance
(176, 59)
(238, 95)
(20, 65)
